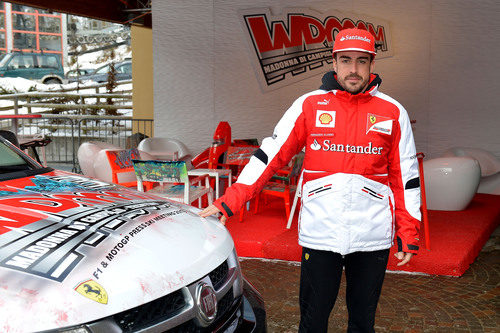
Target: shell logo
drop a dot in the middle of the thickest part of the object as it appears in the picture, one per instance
(325, 118)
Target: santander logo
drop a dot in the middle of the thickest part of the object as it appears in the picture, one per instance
(348, 37)
(315, 145)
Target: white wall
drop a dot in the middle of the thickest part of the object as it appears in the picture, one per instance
(444, 70)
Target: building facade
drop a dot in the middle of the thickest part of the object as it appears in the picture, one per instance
(28, 29)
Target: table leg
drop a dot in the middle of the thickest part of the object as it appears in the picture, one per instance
(217, 186)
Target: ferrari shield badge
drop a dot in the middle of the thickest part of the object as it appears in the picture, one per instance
(379, 124)
(93, 290)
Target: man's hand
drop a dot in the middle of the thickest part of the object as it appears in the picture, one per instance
(211, 210)
(404, 257)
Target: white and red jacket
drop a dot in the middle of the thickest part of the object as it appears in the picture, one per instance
(360, 173)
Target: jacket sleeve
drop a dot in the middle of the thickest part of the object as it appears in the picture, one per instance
(405, 184)
(275, 152)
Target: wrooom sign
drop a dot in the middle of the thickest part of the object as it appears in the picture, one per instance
(298, 43)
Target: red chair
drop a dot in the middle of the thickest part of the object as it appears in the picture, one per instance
(120, 162)
(221, 141)
(281, 184)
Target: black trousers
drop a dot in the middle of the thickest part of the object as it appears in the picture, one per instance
(320, 276)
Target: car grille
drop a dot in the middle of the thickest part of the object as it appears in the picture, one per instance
(150, 313)
(170, 305)
(218, 275)
(224, 306)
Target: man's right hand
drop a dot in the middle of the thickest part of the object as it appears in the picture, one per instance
(211, 210)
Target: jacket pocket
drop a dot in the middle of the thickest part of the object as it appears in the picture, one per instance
(371, 221)
(321, 211)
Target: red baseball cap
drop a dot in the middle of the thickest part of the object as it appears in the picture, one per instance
(354, 40)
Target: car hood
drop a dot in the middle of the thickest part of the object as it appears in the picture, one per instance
(73, 250)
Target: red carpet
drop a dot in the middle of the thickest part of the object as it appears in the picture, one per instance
(456, 237)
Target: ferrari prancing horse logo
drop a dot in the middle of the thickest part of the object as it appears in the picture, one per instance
(93, 290)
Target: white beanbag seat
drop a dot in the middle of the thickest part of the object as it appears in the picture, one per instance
(489, 163)
(451, 182)
(87, 153)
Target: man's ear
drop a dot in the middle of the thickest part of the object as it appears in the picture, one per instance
(372, 65)
(334, 63)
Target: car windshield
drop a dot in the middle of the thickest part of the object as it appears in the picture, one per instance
(12, 161)
(102, 70)
(5, 60)
(125, 68)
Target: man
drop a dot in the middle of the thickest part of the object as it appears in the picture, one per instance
(360, 184)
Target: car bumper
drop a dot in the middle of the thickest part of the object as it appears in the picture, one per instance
(254, 313)
(248, 316)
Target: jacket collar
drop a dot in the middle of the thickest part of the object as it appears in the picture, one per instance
(329, 83)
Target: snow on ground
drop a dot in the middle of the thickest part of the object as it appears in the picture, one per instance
(21, 85)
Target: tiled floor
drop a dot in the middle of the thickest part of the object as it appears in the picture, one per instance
(409, 303)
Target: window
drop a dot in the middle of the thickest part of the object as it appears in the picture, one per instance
(126, 68)
(21, 8)
(49, 24)
(10, 161)
(36, 30)
(50, 42)
(24, 41)
(102, 70)
(23, 22)
(47, 61)
(5, 60)
(21, 61)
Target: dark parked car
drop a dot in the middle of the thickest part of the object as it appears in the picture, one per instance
(76, 75)
(78, 255)
(123, 72)
(43, 67)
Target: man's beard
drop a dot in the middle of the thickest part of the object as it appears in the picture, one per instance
(349, 88)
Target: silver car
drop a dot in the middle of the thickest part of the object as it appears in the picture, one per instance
(81, 255)
(123, 72)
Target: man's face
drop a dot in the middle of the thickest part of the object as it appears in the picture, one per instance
(353, 70)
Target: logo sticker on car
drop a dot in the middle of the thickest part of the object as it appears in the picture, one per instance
(206, 303)
(93, 290)
(52, 250)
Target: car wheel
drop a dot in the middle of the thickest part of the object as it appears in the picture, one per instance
(52, 81)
